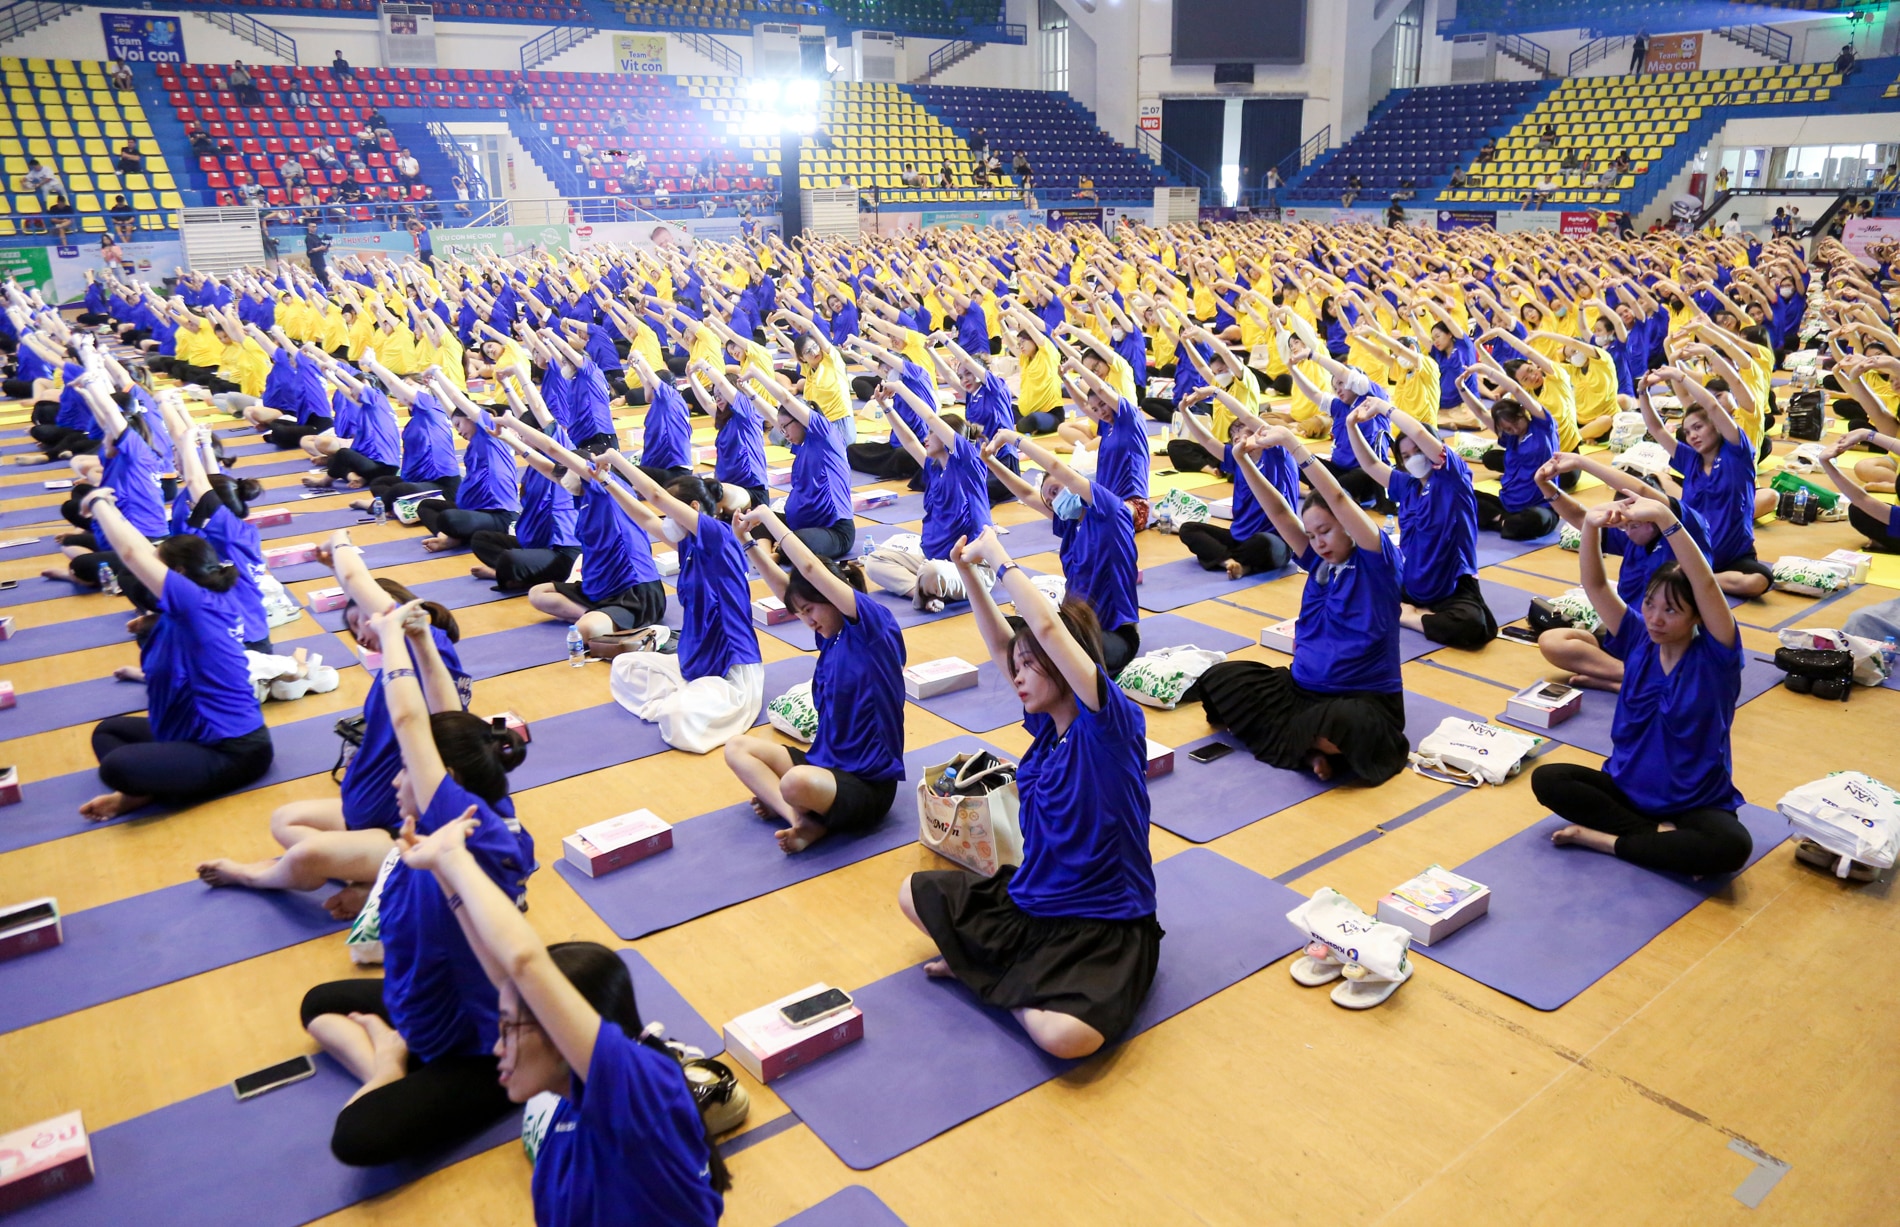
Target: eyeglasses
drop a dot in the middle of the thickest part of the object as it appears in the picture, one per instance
(511, 1029)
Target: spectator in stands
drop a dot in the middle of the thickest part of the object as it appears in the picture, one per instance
(1020, 165)
(379, 125)
(1408, 189)
(42, 180)
(1085, 188)
(461, 194)
(979, 141)
(980, 173)
(202, 146)
(1029, 189)
(1353, 188)
(708, 206)
(946, 174)
(249, 191)
(1844, 62)
(243, 85)
(131, 161)
(583, 151)
(637, 174)
(340, 68)
(1572, 160)
(520, 96)
(290, 170)
(1458, 179)
(125, 218)
(1639, 52)
(1488, 152)
(407, 168)
(912, 176)
(297, 96)
(617, 126)
(1548, 136)
(60, 216)
(121, 77)
(708, 163)
(1608, 177)
(1623, 162)
(1274, 183)
(993, 162)
(325, 154)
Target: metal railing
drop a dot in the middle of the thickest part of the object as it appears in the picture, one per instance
(252, 31)
(544, 47)
(947, 55)
(1170, 159)
(1293, 163)
(457, 153)
(1524, 51)
(1007, 32)
(1764, 40)
(718, 52)
(28, 15)
(1594, 50)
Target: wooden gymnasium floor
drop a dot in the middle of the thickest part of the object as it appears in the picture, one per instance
(1763, 1019)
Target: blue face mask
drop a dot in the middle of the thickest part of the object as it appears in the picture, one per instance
(1067, 505)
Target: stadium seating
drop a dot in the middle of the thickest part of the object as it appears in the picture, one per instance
(674, 121)
(1419, 136)
(1629, 16)
(543, 13)
(876, 127)
(1058, 134)
(712, 15)
(66, 114)
(1640, 116)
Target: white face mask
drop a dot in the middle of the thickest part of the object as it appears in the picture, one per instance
(673, 531)
(1580, 361)
(1418, 465)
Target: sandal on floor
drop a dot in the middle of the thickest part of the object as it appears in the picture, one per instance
(1313, 970)
(644, 639)
(1364, 993)
(1809, 852)
(723, 1103)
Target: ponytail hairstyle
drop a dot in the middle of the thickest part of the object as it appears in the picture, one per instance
(476, 753)
(604, 981)
(193, 557)
(1078, 618)
(1508, 410)
(800, 591)
(237, 494)
(703, 494)
(439, 615)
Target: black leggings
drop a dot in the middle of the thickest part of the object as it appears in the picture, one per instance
(1461, 619)
(1876, 531)
(1359, 485)
(1187, 456)
(393, 487)
(347, 462)
(1214, 546)
(1043, 423)
(517, 567)
(435, 1105)
(881, 460)
(461, 523)
(833, 541)
(1119, 646)
(1526, 525)
(58, 441)
(1705, 841)
(133, 762)
(288, 432)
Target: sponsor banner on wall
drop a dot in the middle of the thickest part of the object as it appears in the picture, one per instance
(1861, 231)
(1467, 219)
(953, 219)
(137, 38)
(889, 221)
(32, 267)
(1115, 215)
(69, 265)
(1058, 218)
(640, 53)
(506, 240)
(1577, 223)
(1674, 53)
(1512, 220)
(655, 234)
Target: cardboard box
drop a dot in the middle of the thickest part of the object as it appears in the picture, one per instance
(323, 600)
(1160, 759)
(1220, 508)
(930, 678)
(769, 1047)
(9, 785)
(606, 846)
(1858, 563)
(267, 518)
(778, 475)
(290, 555)
(667, 561)
(510, 720)
(1279, 636)
(770, 611)
(1533, 706)
(22, 935)
(705, 453)
(6, 695)
(372, 661)
(865, 500)
(44, 1159)
(6, 628)
(1435, 904)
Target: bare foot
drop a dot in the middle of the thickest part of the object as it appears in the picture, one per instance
(801, 835)
(938, 969)
(60, 573)
(758, 807)
(346, 903)
(482, 572)
(1321, 765)
(231, 873)
(436, 543)
(1234, 569)
(1583, 681)
(359, 504)
(110, 805)
(139, 625)
(128, 673)
(316, 481)
(1566, 835)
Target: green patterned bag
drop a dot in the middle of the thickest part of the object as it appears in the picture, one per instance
(365, 942)
(1810, 576)
(1160, 678)
(1569, 538)
(1176, 508)
(1576, 606)
(1469, 447)
(792, 713)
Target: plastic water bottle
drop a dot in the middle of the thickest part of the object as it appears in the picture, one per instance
(1801, 505)
(576, 647)
(1890, 654)
(867, 547)
(377, 512)
(109, 581)
(1391, 528)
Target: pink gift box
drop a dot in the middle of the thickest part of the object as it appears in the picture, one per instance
(865, 500)
(290, 555)
(6, 695)
(25, 928)
(323, 600)
(606, 846)
(769, 1047)
(6, 628)
(42, 1160)
(267, 519)
(9, 786)
(770, 611)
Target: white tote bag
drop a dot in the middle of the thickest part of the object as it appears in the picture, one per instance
(979, 829)
(1850, 814)
(1353, 936)
(365, 942)
(1472, 753)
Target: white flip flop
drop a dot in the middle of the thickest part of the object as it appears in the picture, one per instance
(1363, 994)
(1313, 970)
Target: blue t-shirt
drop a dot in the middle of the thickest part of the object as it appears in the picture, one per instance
(238, 544)
(821, 478)
(1122, 463)
(1348, 635)
(991, 408)
(588, 413)
(197, 680)
(956, 499)
(131, 468)
(667, 441)
(490, 483)
(716, 603)
(739, 445)
(428, 445)
(1438, 518)
(369, 782)
(1640, 561)
(617, 551)
(1099, 559)
(858, 691)
(548, 515)
(1276, 465)
(1724, 495)
(1377, 433)
(434, 988)
(1452, 364)
(1523, 455)
(625, 1147)
(1671, 731)
(1085, 813)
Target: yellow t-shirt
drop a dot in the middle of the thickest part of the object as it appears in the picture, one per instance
(1416, 392)
(246, 365)
(1558, 395)
(1595, 386)
(199, 348)
(1041, 388)
(706, 346)
(828, 386)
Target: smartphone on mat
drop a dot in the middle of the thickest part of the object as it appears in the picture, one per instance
(7, 585)
(25, 916)
(815, 1008)
(251, 1085)
(1211, 751)
(1523, 634)
(1555, 691)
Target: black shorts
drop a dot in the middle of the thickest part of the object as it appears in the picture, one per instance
(1749, 564)
(861, 804)
(631, 609)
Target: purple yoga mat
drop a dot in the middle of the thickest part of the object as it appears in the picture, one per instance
(1563, 918)
(1182, 582)
(852, 1206)
(34, 588)
(1493, 549)
(908, 615)
(139, 943)
(455, 592)
(1507, 604)
(907, 507)
(933, 1056)
(293, 462)
(75, 635)
(58, 707)
(729, 856)
(1589, 729)
(273, 1165)
(382, 554)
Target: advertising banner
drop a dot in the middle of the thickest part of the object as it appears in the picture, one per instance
(1577, 223)
(1861, 231)
(1467, 219)
(32, 267)
(644, 54)
(1674, 53)
(506, 240)
(657, 233)
(1512, 220)
(135, 38)
(69, 265)
(953, 219)
(1058, 218)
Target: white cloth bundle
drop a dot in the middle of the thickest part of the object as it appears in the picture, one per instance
(1354, 937)
(1645, 459)
(1160, 678)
